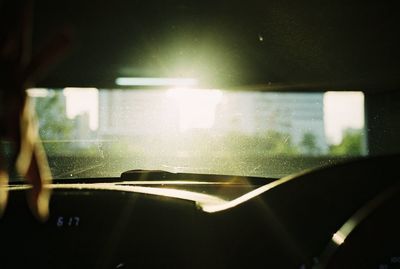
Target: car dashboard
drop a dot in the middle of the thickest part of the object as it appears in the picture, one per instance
(245, 223)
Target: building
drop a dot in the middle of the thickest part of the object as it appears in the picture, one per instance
(126, 113)
(153, 112)
(289, 113)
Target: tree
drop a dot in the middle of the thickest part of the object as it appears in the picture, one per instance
(351, 144)
(277, 143)
(309, 144)
(53, 122)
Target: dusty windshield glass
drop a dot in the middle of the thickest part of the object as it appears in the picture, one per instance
(102, 133)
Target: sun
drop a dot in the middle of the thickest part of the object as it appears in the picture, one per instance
(197, 107)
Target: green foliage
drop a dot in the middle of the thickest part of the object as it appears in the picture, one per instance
(54, 125)
(309, 144)
(351, 144)
(53, 122)
(270, 143)
(277, 143)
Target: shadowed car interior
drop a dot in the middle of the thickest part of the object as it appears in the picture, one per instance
(199, 134)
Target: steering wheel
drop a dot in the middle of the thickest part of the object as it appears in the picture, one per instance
(370, 238)
(313, 206)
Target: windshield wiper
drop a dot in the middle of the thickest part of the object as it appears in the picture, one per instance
(161, 175)
(142, 175)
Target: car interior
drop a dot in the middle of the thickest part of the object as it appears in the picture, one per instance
(204, 134)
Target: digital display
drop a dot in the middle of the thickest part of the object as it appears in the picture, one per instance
(393, 262)
(68, 221)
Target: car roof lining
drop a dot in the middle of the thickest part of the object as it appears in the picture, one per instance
(257, 45)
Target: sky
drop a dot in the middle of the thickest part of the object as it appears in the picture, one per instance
(342, 110)
(83, 100)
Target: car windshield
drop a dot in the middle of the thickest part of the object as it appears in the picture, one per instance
(90, 132)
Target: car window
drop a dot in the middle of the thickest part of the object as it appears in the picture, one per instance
(98, 132)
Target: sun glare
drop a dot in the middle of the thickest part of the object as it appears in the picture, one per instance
(197, 108)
